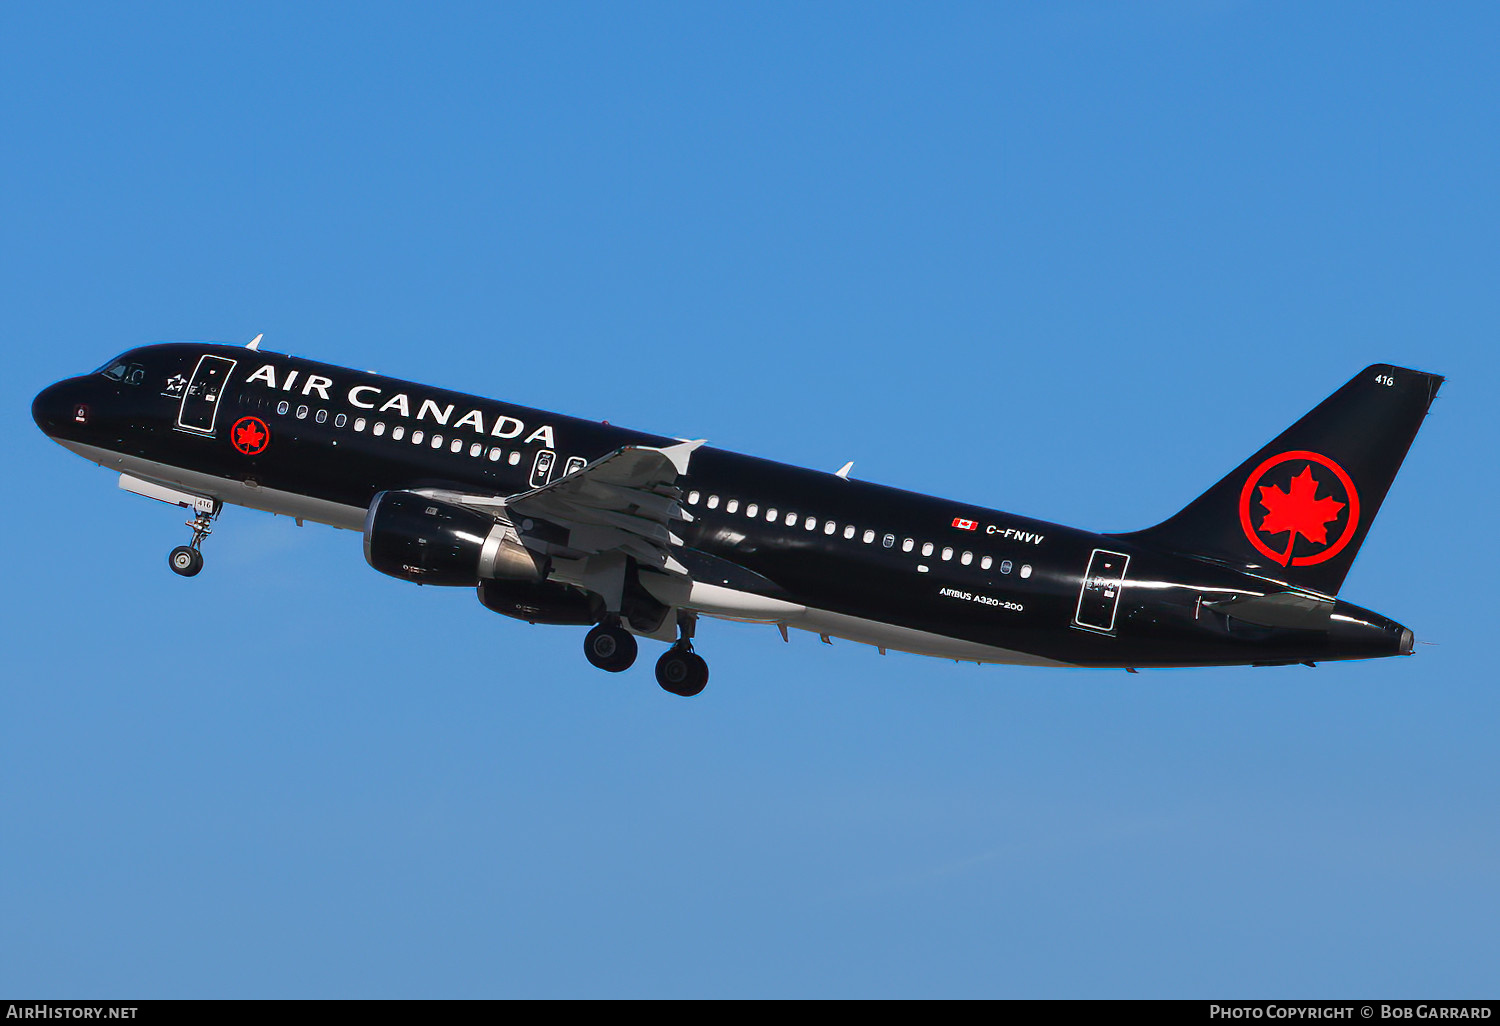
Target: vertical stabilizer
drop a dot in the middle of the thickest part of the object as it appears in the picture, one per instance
(1299, 508)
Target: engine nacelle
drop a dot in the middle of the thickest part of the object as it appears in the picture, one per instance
(433, 542)
(549, 602)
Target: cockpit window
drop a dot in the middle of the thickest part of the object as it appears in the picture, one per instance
(125, 371)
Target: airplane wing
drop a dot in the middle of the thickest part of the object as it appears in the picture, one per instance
(624, 502)
(621, 504)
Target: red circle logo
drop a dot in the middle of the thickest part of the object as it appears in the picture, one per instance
(1308, 498)
(250, 436)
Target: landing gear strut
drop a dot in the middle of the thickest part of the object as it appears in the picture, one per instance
(187, 560)
(680, 670)
(610, 647)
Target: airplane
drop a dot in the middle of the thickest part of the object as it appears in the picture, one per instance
(558, 520)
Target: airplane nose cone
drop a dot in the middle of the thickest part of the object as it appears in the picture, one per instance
(59, 407)
(49, 408)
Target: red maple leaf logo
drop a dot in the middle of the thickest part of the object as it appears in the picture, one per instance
(1298, 510)
(249, 436)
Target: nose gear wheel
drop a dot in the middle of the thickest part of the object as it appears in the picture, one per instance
(187, 560)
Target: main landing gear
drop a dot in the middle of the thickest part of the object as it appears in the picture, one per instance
(680, 670)
(610, 647)
(187, 560)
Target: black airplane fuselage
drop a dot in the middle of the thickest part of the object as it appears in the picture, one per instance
(874, 564)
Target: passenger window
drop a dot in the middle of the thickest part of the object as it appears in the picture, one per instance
(771, 515)
(282, 407)
(791, 520)
(752, 510)
(359, 423)
(966, 558)
(437, 441)
(848, 530)
(302, 413)
(341, 420)
(888, 541)
(693, 498)
(713, 502)
(927, 548)
(379, 427)
(732, 506)
(322, 417)
(474, 450)
(869, 536)
(514, 458)
(986, 563)
(495, 454)
(908, 544)
(416, 437)
(811, 523)
(1026, 570)
(830, 527)
(398, 432)
(947, 553)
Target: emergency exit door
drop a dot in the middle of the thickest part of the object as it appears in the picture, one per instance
(200, 400)
(541, 470)
(1099, 597)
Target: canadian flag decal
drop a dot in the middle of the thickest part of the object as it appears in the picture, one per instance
(965, 525)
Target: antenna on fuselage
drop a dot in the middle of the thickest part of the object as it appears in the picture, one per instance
(254, 343)
(843, 471)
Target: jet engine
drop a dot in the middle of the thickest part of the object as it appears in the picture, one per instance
(429, 541)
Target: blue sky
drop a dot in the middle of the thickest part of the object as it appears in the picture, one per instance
(1071, 260)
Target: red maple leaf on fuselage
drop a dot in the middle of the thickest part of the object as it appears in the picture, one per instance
(249, 436)
(1299, 511)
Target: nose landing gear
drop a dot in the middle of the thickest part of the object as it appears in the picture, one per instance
(187, 560)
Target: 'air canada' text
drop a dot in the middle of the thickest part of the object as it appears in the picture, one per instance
(372, 397)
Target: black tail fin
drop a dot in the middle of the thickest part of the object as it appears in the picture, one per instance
(1298, 510)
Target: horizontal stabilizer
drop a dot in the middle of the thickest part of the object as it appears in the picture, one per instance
(1283, 609)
